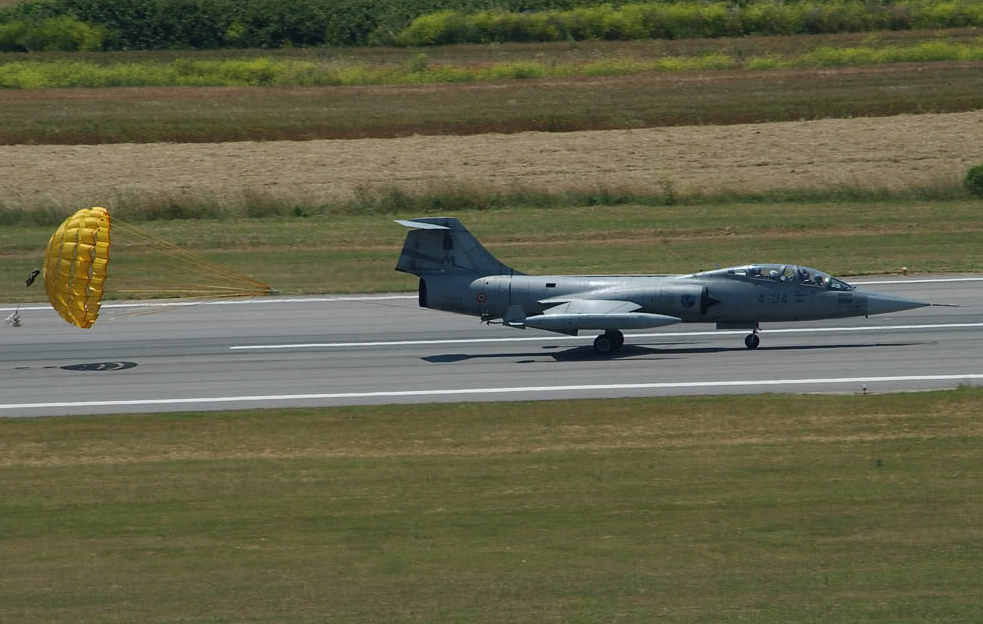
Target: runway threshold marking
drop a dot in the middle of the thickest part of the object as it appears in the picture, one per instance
(396, 343)
(507, 390)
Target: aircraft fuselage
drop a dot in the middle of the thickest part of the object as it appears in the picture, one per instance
(698, 298)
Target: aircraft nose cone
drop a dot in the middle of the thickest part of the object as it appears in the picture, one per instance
(883, 304)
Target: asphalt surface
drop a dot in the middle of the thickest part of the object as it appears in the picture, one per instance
(347, 350)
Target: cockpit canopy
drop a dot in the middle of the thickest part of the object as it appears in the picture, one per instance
(787, 273)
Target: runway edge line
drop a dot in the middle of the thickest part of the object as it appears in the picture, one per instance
(516, 390)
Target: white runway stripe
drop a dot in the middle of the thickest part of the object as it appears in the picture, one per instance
(259, 300)
(508, 390)
(591, 336)
(918, 281)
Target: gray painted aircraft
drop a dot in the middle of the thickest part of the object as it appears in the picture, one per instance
(458, 275)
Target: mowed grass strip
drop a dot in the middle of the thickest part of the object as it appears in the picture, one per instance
(758, 508)
(345, 254)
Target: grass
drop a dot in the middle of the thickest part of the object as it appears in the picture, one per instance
(759, 508)
(204, 114)
(266, 71)
(357, 253)
(215, 114)
(582, 52)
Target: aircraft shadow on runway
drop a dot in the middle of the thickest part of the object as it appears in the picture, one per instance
(639, 352)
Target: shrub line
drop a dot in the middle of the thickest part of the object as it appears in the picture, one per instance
(266, 71)
(215, 24)
(687, 20)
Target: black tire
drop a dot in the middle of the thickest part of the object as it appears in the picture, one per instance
(751, 341)
(603, 344)
(617, 339)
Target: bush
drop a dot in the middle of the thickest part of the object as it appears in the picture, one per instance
(688, 19)
(203, 24)
(63, 33)
(433, 29)
(974, 180)
(351, 23)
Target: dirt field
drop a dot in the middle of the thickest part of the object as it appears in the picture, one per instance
(878, 152)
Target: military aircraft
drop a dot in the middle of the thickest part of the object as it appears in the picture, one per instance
(457, 274)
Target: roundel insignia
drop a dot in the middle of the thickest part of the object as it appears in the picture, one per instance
(688, 301)
(482, 297)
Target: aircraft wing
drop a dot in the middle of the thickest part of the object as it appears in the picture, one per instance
(593, 306)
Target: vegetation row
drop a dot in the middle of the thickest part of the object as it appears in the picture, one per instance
(265, 71)
(687, 20)
(389, 200)
(202, 24)
(208, 24)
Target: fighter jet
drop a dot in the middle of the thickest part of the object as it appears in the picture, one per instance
(457, 274)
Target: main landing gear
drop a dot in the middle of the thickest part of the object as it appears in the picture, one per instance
(609, 341)
(751, 341)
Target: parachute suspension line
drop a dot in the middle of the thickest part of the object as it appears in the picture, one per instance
(232, 291)
(243, 284)
(186, 302)
(160, 245)
(170, 249)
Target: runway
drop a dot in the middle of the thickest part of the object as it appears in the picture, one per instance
(349, 350)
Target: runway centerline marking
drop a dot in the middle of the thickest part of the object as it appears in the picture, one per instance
(397, 343)
(500, 390)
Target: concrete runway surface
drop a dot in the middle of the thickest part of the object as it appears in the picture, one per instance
(348, 350)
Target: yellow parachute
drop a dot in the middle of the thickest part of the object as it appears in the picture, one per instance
(76, 268)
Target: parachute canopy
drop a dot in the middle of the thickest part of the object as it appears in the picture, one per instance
(75, 265)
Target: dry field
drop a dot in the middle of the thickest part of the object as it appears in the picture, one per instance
(878, 152)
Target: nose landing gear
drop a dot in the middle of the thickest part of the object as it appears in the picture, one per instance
(609, 341)
(751, 341)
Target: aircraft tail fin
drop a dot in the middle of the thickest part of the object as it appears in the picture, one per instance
(443, 245)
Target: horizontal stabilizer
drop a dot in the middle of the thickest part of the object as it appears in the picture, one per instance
(421, 225)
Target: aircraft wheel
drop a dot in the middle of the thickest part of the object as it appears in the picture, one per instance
(617, 339)
(751, 341)
(603, 344)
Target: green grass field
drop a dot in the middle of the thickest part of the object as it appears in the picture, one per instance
(760, 508)
(203, 114)
(357, 253)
